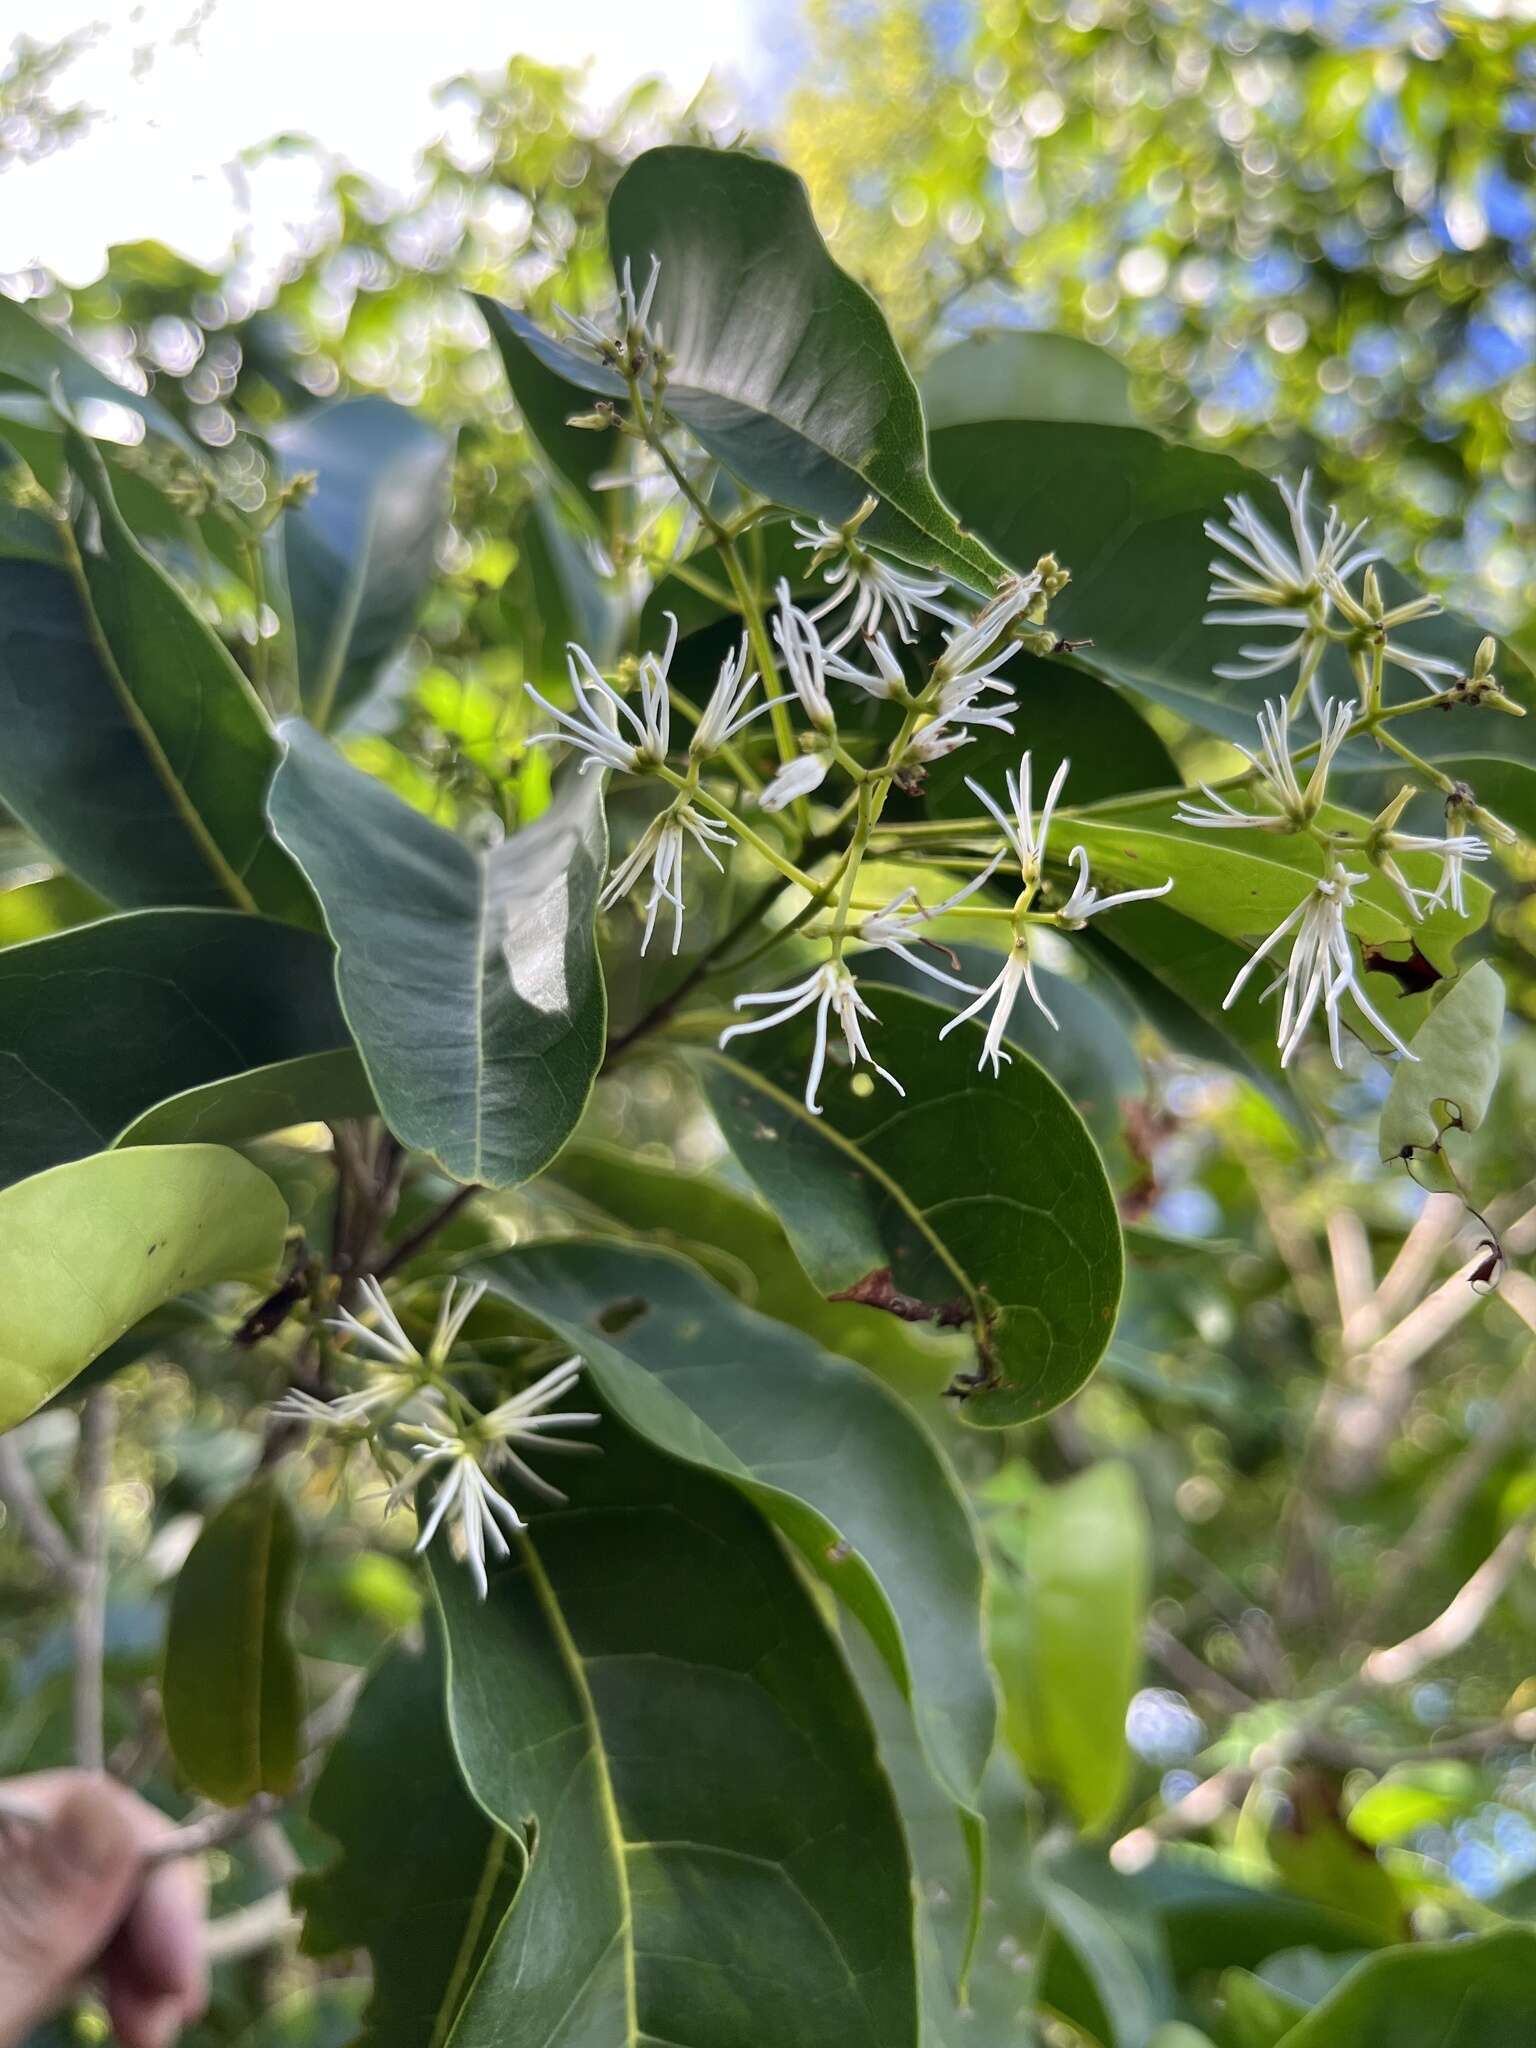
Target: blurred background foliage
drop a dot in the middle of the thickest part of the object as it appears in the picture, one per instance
(1307, 234)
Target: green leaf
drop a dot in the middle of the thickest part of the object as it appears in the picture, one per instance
(1104, 1965)
(829, 1456)
(28, 536)
(1125, 511)
(649, 1697)
(1069, 1651)
(741, 1243)
(316, 1087)
(973, 1201)
(188, 998)
(544, 398)
(469, 978)
(135, 750)
(1008, 375)
(88, 1248)
(36, 910)
(780, 364)
(231, 1685)
(1479, 1993)
(426, 1918)
(43, 359)
(1448, 1083)
(358, 551)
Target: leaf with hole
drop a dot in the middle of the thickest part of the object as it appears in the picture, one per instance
(1450, 1080)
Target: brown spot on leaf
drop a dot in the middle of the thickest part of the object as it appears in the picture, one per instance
(879, 1290)
(618, 1316)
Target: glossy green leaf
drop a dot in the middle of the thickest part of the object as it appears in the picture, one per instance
(36, 910)
(974, 1201)
(359, 550)
(546, 401)
(45, 360)
(834, 1460)
(1479, 1993)
(1104, 1966)
(88, 1248)
(316, 1087)
(189, 997)
(231, 1685)
(1450, 1080)
(135, 750)
(1125, 511)
(426, 1918)
(469, 978)
(28, 536)
(649, 1699)
(1070, 1656)
(780, 364)
(1007, 374)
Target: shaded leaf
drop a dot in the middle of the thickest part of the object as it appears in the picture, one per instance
(1068, 1641)
(44, 359)
(88, 1248)
(469, 978)
(316, 1087)
(1478, 1993)
(827, 1454)
(359, 551)
(546, 401)
(1451, 1078)
(135, 750)
(427, 1918)
(985, 1199)
(231, 1683)
(649, 1692)
(189, 997)
(1006, 374)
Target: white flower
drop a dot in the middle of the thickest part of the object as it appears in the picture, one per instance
(942, 735)
(725, 714)
(1026, 839)
(593, 729)
(660, 848)
(1280, 584)
(894, 927)
(874, 586)
(1321, 967)
(1085, 900)
(796, 778)
(964, 648)
(463, 1487)
(1456, 850)
(1278, 784)
(388, 1340)
(834, 992)
(889, 680)
(1002, 993)
(804, 657)
(625, 338)
(399, 1392)
(1267, 572)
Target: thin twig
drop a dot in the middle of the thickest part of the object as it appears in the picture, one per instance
(93, 1466)
(1459, 1621)
(406, 1250)
(250, 1929)
(1191, 1673)
(35, 1519)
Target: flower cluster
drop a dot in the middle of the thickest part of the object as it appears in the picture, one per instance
(420, 1425)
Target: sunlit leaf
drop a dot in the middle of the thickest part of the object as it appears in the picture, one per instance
(1448, 1083)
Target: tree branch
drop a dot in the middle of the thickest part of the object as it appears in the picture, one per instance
(35, 1519)
(1457, 1623)
(93, 1466)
